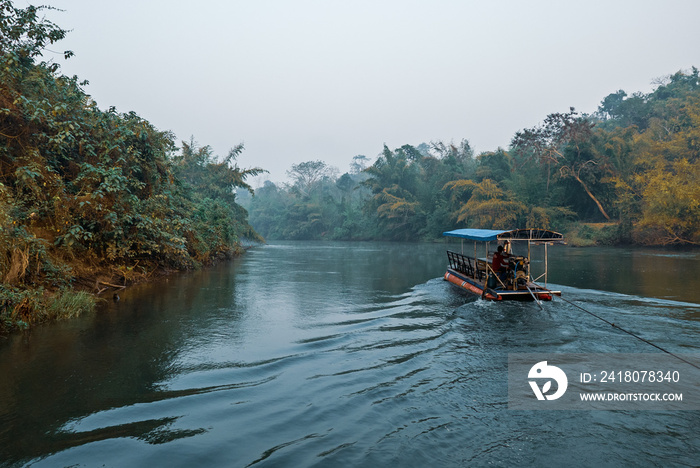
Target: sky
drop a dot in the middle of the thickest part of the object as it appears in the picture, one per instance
(303, 80)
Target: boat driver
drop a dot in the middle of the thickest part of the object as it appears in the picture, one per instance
(500, 263)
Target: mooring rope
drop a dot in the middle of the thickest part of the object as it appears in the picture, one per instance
(630, 333)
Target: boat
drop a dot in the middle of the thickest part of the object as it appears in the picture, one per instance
(476, 275)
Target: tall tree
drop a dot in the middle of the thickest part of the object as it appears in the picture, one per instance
(307, 175)
(564, 141)
(393, 181)
(611, 106)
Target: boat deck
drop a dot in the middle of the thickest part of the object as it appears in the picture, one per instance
(471, 274)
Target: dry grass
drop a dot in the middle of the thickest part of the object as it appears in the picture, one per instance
(19, 262)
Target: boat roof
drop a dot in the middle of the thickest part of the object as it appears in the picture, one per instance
(487, 235)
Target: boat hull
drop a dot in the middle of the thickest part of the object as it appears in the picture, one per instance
(475, 287)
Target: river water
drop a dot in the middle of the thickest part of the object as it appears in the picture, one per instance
(344, 354)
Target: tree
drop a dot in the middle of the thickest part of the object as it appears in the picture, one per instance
(563, 141)
(307, 174)
(610, 107)
(634, 111)
(457, 159)
(672, 203)
(359, 163)
(460, 191)
(495, 165)
(210, 176)
(490, 207)
(393, 180)
(23, 36)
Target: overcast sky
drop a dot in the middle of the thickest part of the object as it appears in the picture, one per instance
(301, 80)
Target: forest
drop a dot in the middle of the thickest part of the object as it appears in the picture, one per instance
(92, 200)
(628, 173)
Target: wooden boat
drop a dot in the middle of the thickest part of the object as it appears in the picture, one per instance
(476, 275)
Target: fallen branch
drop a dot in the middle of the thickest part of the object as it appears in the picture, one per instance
(112, 285)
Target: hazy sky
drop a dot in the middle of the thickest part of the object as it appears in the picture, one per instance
(301, 80)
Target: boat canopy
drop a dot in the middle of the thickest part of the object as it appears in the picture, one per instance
(487, 235)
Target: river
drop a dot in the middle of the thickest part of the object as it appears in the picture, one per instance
(344, 354)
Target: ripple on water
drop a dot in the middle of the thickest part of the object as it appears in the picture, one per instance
(413, 379)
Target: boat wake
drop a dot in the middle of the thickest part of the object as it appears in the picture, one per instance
(414, 379)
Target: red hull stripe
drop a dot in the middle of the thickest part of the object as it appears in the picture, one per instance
(470, 287)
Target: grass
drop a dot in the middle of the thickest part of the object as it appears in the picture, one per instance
(69, 304)
(21, 309)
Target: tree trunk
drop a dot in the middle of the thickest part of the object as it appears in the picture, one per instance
(600, 207)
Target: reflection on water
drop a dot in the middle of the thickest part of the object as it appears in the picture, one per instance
(657, 273)
(338, 354)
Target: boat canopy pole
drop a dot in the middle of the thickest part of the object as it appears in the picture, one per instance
(529, 262)
(546, 267)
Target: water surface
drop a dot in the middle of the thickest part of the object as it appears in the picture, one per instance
(343, 354)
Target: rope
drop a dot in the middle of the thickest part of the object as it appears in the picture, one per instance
(630, 333)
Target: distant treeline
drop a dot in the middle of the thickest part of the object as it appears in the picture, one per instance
(632, 168)
(94, 198)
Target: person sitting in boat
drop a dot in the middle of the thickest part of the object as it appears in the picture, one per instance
(500, 263)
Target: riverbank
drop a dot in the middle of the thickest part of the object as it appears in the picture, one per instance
(590, 234)
(27, 305)
(581, 234)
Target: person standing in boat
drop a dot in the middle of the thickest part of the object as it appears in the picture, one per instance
(500, 263)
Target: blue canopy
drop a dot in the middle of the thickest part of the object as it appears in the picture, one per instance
(481, 235)
(487, 235)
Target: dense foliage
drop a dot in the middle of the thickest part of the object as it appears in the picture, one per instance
(632, 168)
(94, 196)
